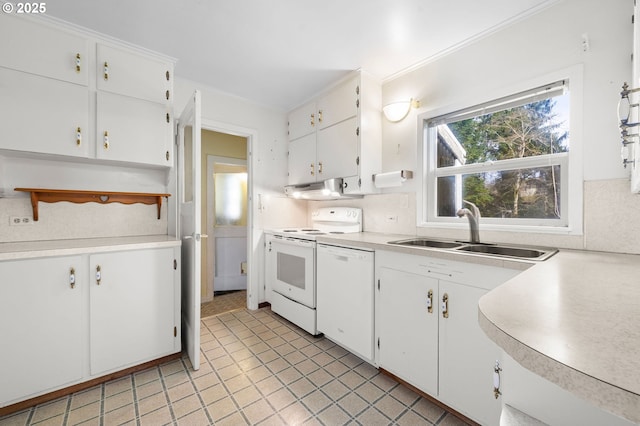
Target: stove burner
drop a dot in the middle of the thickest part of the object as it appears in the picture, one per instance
(309, 230)
(316, 233)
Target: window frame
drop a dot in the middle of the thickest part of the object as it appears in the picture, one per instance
(571, 178)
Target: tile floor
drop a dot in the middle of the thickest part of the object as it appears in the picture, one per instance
(256, 368)
(224, 302)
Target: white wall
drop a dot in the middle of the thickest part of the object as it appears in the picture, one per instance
(527, 51)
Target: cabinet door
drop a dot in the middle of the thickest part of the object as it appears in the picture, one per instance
(344, 292)
(302, 160)
(128, 73)
(41, 324)
(131, 308)
(339, 104)
(337, 150)
(136, 131)
(467, 356)
(302, 121)
(42, 50)
(407, 331)
(43, 115)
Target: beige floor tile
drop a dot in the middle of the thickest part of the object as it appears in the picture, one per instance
(50, 409)
(186, 406)
(351, 379)
(16, 419)
(52, 421)
(320, 377)
(148, 389)
(235, 419)
(411, 418)
(372, 417)
(197, 418)
(289, 375)
(116, 401)
(206, 381)
(120, 415)
(117, 386)
(84, 413)
(390, 406)
(316, 401)
(428, 409)
(158, 417)
(176, 379)
(146, 376)
(335, 389)
(221, 409)
(295, 413)
(152, 403)
(171, 368)
(302, 387)
(369, 392)
(451, 420)
(88, 396)
(269, 385)
(213, 394)
(352, 404)
(246, 396)
(281, 398)
(404, 395)
(257, 411)
(181, 391)
(239, 382)
(333, 415)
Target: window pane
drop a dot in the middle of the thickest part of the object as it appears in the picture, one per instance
(524, 193)
(536, 128)
(230, 199)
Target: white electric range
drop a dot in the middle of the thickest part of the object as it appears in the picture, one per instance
(291, 263)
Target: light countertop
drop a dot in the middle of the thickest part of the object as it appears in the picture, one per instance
(33, 249)
(573, 319)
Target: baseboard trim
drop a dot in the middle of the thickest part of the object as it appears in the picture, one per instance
(19, 406)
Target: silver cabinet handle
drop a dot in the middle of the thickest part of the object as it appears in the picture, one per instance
(98, 275)
(72, 278)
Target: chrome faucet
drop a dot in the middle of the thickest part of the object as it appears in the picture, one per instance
(474, 220)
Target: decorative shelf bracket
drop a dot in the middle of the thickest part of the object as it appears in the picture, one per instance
(102, 197)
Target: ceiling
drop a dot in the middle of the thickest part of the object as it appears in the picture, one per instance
(282, 52)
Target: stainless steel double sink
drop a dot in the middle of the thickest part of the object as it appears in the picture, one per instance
(487, 249)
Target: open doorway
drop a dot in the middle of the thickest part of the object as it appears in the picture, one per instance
(225, 221)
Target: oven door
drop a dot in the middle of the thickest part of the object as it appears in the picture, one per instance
(292, 270)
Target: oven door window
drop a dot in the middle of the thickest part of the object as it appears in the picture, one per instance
(291, 270)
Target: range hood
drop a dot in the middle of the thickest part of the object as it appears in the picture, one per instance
(330, 189)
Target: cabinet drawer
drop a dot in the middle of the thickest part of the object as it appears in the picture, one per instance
(133, 75)
(137, 130)
(39, 49)
(43, 115)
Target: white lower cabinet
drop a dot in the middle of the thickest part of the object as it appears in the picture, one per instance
(131, 307)
(41, 325)
(65, 320)
(428, 333)
(407, 329)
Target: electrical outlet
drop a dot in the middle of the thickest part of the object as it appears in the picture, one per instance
(391, 219)
(20, 220)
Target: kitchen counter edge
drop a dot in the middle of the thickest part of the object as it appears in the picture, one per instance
(53, 248)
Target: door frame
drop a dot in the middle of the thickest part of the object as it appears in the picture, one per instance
(211, 244)
(253, 287)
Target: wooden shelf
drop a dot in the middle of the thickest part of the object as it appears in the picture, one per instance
(102, 197)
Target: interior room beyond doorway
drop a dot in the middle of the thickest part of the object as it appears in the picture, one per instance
(220, 149)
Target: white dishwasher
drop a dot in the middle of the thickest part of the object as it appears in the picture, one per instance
(344, 297)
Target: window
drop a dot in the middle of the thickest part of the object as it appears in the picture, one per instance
(510, 157)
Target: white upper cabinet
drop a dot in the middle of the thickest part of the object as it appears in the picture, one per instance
(130, 74)
(302, 121)
(338, 136)
(339, 104)
(42, 50)
(43, 115)
(50, 76)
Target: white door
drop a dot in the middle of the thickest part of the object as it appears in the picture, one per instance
(227, 223)
(189, 205)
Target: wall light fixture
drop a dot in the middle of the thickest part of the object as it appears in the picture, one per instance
(397, 111)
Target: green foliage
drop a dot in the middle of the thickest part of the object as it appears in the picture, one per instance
(519, 132)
